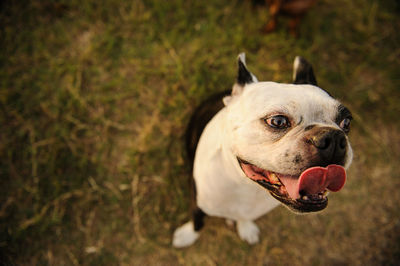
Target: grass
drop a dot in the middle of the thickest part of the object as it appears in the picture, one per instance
(94, 100)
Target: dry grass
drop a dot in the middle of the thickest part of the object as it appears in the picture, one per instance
(94, 99)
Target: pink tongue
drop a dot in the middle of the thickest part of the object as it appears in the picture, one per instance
(315, 180)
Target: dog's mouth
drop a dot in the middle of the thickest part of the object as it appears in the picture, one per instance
(304, 193)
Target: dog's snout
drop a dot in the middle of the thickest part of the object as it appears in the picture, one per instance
(331, 145)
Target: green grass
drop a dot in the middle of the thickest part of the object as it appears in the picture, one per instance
(94, 100)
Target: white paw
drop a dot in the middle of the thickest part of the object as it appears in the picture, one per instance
(185, 235)
(248, 231)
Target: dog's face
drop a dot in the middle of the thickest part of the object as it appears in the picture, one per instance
(289, 138)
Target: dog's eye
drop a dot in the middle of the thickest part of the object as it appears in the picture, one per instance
(278, 122)
(345, 124)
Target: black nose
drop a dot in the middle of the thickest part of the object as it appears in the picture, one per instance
(331, 146)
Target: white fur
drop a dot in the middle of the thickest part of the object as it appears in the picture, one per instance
(249, 137)
(238, 130)
(296, 65)
(185, 236)
(223, 190)
(242, 57)
(248, 231)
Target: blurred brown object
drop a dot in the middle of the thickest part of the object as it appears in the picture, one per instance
(294, 9)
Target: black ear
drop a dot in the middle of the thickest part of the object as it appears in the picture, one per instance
(303, 72)
(244, 75)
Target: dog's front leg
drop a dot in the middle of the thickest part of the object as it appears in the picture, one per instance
(248, 231)
(188, 233)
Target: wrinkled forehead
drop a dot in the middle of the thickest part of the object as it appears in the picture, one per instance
(266, 98)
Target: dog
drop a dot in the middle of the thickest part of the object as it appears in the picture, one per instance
(294, 9)
(263, 144)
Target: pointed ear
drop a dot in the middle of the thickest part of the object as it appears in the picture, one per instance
(244, 75)
(303, 72)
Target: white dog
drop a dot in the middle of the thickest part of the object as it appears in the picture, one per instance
(287, 139)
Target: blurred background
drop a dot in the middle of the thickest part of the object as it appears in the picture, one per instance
(94, 100)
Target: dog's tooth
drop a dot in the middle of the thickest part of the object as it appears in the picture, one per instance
(304, 197)
(320, 196)
(273, 177)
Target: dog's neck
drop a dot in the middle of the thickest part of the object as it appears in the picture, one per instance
(225, 147)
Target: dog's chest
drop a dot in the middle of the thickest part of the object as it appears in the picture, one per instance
(220, 195)
(221, 189)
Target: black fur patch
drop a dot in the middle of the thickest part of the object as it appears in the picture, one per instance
(200, 118)
(304, 73)
(198, 219)
(343, 113)
(244, 76)
(298, 159)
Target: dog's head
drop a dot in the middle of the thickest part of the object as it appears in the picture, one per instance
(289, 138)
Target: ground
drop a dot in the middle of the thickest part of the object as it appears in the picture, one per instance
(94, 100)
